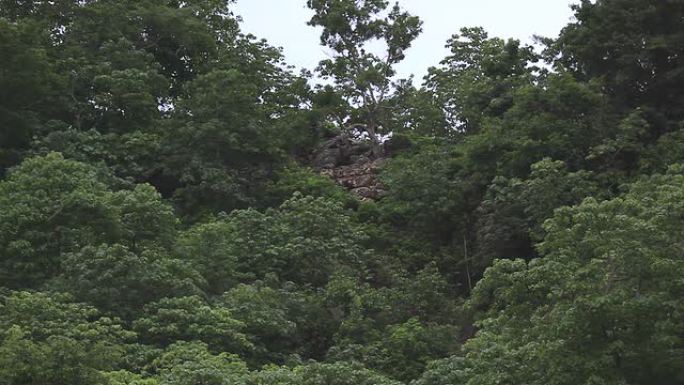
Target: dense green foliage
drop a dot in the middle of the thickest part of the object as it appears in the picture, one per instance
(160, 224)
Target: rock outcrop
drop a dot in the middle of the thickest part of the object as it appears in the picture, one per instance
(352, 164)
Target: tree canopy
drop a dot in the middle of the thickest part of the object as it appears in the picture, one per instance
(166, 219)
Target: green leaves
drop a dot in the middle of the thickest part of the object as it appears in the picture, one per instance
(48, 206)
(51, 206)
(272, 264)
(477, 80)
(319, 374)
(59, 361)
(231, 129)
(119, 281)
(304, 241)
(511, 216)
(47, 338)
(267, 318)
(190, 363)
(630, 47)
(361, 76)
(29, 88)
(601, 303)
(45, 315)
(192, 319)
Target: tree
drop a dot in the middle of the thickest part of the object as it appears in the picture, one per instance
(234, 127)
(191, 363)
(394, 329)
(51, 206)
(29, 88)
(119, 281)
(61, 316)
(320, 374)
(48, 338)
(58, 360)
(361, 76)
(668, 150)
(601, 306)
(304, 240)
(123, 377)
(192, 319)
(417, 111)
(425, 211)
(633, 48)
(446, 371)
(479, 78)
(239, 142)
(306, 181)
(130, 84)
(425, 215)
(267, 318)
(522, 236)
(131, 156)
(511, 215)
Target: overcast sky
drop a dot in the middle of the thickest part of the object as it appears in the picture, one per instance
(283, 24)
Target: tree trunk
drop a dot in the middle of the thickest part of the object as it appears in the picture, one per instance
(376, 148)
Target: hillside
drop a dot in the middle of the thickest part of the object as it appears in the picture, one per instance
(178, 206)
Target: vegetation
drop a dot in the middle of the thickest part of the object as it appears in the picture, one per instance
(159, 224)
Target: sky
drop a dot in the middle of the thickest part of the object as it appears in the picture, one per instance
(283, 24)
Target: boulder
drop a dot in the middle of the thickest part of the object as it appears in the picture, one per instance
(352, 164)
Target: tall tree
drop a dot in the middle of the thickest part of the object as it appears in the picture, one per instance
(361, 76)
(479, 77)
(602, 307)
(29, 87)
(634, 48)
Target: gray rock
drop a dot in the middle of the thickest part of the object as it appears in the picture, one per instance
(364, 192)
(352, 164)
(328, 158)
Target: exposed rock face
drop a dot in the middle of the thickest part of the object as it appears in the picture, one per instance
(339, 150)
(351, 164)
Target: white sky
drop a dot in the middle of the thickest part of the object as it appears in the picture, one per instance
(283, 24)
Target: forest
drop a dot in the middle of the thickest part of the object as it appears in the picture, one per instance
(179, 206)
